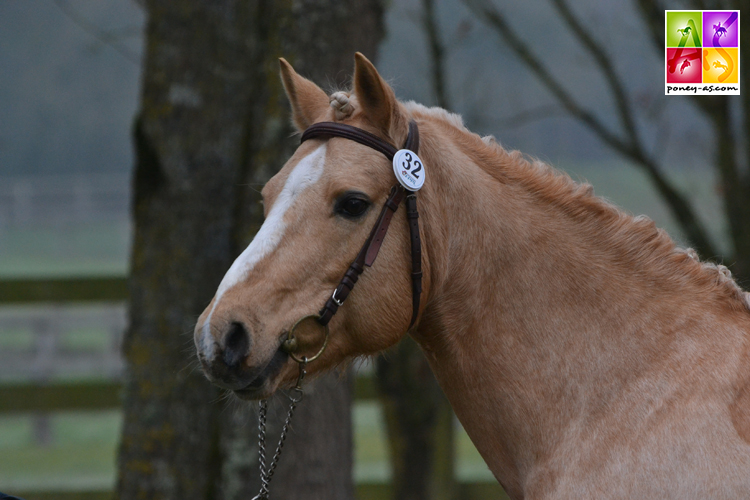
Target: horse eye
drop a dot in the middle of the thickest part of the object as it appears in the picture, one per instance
(352, 205)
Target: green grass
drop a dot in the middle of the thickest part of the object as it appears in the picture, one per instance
(15, 433)
(83, 340)
(83, 449)
(87, 249)
(17, 340)
(371, 452)
(370, 447)
(89, 340)
(470, 465)
(81, 453)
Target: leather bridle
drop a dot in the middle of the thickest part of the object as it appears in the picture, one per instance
(365, 257)
(371, 247)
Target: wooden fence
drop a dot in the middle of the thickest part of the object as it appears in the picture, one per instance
(28, 397)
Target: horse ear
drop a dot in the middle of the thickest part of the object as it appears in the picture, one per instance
(376, 98)
(307, 99)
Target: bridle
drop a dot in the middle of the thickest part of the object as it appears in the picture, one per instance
(365, 258)
(371, 247)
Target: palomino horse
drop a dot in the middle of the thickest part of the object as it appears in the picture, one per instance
(584, 353)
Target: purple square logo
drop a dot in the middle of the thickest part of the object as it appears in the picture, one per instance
(721, 28)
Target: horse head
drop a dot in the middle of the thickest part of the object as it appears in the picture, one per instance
(319, 209)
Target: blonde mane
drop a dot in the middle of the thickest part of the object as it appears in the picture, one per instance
(638, 234)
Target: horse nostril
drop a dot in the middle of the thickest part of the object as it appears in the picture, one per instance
(236, 345)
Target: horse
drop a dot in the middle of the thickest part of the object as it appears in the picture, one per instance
(685, 64)
(584, 352)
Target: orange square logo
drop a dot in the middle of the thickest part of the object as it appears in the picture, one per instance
(720, 65)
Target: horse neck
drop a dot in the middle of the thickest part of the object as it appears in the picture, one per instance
(533, 320)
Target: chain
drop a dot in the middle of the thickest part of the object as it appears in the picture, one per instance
(266, 473)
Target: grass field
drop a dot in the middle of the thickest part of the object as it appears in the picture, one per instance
(70, 250)
(82, 450)
(80, 455)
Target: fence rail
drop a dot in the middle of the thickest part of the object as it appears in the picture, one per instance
(365, 491)
(91, 289)
(27, 397)
(39, 398)
(63, 199)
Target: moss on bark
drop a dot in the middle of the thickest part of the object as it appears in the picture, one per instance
(213, 125)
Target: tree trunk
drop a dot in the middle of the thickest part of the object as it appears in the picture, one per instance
(213, 127)
(419, 422)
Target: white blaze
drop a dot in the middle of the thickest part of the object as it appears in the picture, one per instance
(305, 174)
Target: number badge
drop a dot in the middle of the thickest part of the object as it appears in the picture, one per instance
(409, 169)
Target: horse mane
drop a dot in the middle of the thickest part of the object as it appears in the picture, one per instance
(640, 237)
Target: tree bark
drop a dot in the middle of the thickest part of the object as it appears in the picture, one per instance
(419, 422)
(212, 128)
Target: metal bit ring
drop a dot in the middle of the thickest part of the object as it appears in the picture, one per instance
(290, 345)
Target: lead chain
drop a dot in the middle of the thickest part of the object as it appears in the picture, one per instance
(267, 473)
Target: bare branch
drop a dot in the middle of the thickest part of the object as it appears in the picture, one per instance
(652, 13)
(682, 210)
(529, 116)
(105, 37)
(495, 19)
(601, 58)
(437, 52)
(716, 109)
(679, 206)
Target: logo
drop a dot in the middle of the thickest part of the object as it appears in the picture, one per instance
(702, 52)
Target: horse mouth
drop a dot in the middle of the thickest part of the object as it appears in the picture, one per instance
(258, 387)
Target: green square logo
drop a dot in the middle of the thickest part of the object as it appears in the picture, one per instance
(684, 28)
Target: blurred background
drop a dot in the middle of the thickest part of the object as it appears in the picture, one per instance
(577, 84)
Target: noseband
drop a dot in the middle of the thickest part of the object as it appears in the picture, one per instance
(371, 247)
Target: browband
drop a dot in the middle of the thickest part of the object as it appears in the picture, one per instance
(333, 129)
(371, 247)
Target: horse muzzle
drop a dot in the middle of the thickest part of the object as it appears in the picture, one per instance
(225, 360)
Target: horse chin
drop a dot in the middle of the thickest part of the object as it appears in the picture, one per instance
(265, 384)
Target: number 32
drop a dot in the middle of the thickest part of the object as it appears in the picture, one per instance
(407, 165)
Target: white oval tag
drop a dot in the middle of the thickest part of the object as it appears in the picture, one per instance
(409, 169)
